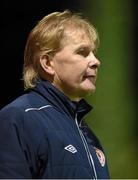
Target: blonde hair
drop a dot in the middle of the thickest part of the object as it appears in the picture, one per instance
(45, 39)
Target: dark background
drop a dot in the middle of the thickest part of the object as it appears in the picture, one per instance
(18, 18)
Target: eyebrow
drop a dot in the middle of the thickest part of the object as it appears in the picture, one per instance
(88, 47)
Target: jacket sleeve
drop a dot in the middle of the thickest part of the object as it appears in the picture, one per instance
(13, 162)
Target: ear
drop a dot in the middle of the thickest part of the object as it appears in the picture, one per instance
(46, 64)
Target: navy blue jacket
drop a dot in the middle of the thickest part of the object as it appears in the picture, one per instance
(43, 135)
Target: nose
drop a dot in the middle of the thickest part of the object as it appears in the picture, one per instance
(94, 62)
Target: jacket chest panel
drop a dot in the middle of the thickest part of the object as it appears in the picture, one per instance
(66, 148)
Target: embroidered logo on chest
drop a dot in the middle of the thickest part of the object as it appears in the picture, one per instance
(71, 148)
(100, 156)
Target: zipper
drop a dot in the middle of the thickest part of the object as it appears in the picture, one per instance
(86, 147)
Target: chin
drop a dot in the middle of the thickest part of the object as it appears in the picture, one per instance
(88, 86)
(86, 92)
(90, 89)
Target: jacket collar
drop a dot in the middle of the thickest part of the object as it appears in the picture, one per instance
(62, 102)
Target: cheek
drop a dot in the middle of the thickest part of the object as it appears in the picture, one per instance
(75, 74)
(75, 70)
(71, 69)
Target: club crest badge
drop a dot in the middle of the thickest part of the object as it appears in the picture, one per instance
(100, 156)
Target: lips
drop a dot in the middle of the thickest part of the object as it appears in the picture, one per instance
(87, 76)
(91, 77)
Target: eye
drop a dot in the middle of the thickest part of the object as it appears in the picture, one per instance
(83, 52)
(95, 51)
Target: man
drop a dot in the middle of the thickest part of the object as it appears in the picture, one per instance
(43, 133)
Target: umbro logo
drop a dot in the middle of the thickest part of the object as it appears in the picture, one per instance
(71, 148)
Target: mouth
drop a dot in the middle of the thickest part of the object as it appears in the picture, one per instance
(92, 78)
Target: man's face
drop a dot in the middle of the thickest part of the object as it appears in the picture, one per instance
(75, 66)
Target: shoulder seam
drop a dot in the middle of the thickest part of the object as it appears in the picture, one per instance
(37, 109)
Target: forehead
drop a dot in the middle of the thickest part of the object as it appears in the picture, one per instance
(76, 37)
